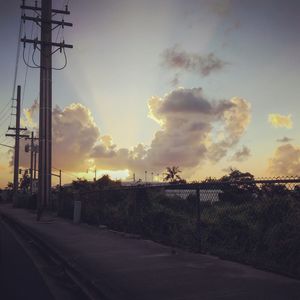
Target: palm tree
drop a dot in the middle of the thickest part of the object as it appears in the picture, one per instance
(172, 174)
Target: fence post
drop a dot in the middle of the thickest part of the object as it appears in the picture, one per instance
(135, 217)
(77, 209)
(58, 203)
(198, 224)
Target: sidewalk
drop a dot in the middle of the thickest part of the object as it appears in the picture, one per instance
(126, 268)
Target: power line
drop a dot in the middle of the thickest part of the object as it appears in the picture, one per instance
(8, 146)
(27, 68)
(5, 110)
(4, 120)
(16, 67)
(66, 173)
(5, 106)
(17, 60)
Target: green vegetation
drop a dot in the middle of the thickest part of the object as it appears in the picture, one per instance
(251, 223)
(172, 175)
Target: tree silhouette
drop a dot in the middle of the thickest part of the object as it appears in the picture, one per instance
(9, 186)
(25, 182)
(171, 174)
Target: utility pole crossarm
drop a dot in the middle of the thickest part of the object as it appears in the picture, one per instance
(55, 11)
(13, 128)
(40, 20)
(20, 135)
(60, 45)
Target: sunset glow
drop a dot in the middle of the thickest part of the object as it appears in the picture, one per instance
(203, 85)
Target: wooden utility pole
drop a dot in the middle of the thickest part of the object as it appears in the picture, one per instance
(34, 161)
(32, 148)
(45, 116)
(17, 137)
(44, 19)
(59, 180)
(31, 161)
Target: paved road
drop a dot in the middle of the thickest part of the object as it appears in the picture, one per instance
(129, 269)
(19, 278)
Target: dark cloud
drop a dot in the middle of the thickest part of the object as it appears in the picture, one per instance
(74, 136)
(241, 155)
(175, 81)
(193, 102)
(235, 26)
(285, 161)
(175, 58)
(187, 119)
(102, 151)
(284, 140)
(221, 7)
(235, 122)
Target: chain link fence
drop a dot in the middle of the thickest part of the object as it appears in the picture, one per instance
(255, 221)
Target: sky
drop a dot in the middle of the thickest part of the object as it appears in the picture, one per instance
(205, 85)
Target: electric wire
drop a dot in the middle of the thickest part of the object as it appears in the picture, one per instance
(17, 60)
(5, 110)
(16, 67)
(27, 68)
(21, 28)
(66, 173)
(66, 61)
(5, 106)
(3, 121)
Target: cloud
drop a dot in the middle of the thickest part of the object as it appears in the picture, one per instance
(284, 140)
(221, 7)
(285, 161)
(29, 115)
(235, 26)
(187, 118)
(176, 80)
(236, 120)
(4, 179)
(277, 121)
(228, 170)
(180, 60)
(241, 155)
(74, 136)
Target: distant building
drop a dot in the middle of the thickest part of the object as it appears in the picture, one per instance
(211, 195)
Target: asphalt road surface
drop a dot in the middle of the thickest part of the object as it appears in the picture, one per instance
(19, 278)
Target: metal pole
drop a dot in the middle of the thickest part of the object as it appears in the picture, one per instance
(31, 162)
(198, 225)
(34, 162)
(45, 117)
(17, 141)
(59, 180)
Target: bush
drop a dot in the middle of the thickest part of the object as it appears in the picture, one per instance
(262, 231)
